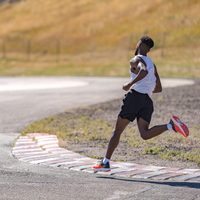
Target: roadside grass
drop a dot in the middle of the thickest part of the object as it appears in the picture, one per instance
(96, 157)
(77, 128)
(100, 64)
(120, 160)
(13, 145)
(82, 127)
(153, 151)
(179, 155)
(193, 155)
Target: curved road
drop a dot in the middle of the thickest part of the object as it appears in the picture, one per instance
(25, 100)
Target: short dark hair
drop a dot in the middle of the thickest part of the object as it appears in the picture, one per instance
(147, 40)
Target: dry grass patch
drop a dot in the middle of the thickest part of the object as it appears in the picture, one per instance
(97, 38)
(87, 126)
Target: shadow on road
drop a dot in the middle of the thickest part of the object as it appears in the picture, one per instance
(176, 184)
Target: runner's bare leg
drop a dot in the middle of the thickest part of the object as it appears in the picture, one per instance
(147, 133)
(121, 124)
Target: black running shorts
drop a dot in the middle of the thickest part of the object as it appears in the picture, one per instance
(136, 105)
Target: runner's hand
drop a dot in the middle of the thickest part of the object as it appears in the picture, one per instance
(126, 86)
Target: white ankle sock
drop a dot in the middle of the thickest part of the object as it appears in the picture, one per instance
(105, 160)
(169, 126)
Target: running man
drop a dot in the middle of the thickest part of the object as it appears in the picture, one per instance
(138, 104)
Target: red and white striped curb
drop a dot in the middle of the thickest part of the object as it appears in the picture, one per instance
(43, 148)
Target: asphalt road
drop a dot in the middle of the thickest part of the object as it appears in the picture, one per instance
(21, 106)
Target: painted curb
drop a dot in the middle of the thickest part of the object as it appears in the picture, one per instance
(43, 148)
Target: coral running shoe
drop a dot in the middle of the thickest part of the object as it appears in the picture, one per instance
(179, 126)
(100, 167)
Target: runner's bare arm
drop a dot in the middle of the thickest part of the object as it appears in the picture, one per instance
(138, 68)
(158, 87)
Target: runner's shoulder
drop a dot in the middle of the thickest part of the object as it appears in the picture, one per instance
(135, 60)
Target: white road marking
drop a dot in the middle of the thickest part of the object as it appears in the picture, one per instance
(41, 83)
(37, 83)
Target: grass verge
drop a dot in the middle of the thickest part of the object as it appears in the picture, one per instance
(99, 64)
(90, 126)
